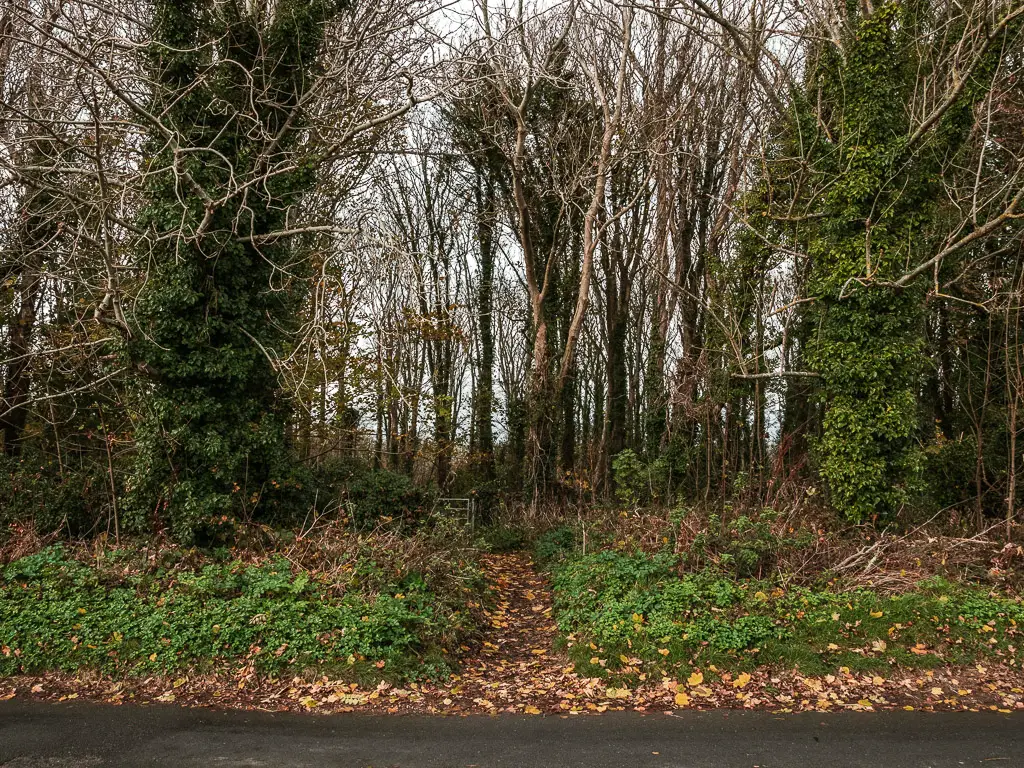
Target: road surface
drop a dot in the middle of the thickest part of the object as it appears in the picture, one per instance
(38, 735)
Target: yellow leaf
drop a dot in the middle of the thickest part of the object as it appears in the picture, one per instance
(308, 702)
(812, 683)
(538, 651)
(695, 679)
(623, 658)
(152, 657)
(876, 680)
(741, 680)
(876, 614)
(638, 619)
(595, 660)
(531, 710)
(663, 651)
(682, 700)
(936, 691)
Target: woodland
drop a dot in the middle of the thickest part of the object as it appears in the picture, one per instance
(479, 355)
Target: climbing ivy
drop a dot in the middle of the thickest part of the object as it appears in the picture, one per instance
(871, 198)
(220, 297)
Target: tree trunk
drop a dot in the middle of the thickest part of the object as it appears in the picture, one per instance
(34, 238)
(483, 406)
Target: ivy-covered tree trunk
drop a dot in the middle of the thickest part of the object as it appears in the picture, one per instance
(222, 286)
(879, 183)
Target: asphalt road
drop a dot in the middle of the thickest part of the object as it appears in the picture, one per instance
(34, 735)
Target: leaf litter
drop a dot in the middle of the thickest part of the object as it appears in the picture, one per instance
(516, 667)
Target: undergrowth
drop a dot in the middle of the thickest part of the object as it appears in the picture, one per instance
(384, 606)
(621, 612)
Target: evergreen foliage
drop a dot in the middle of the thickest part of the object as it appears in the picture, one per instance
(222, 291)
(873, 200)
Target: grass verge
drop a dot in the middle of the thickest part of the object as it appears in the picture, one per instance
(354, 610)
(637, 615)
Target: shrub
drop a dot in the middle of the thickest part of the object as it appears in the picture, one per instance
(34, 490)
(380, 494)
(747, 545)
(631, 478)
(555, 543)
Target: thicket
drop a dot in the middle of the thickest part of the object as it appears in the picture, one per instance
(276, 292)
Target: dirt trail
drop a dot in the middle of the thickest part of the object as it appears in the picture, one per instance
(516, 666)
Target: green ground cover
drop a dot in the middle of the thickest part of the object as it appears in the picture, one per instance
(620, 611)
(115, 615)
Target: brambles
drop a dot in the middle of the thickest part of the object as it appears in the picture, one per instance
(749, 545)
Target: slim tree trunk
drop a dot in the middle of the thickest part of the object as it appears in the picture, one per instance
(484, 396)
